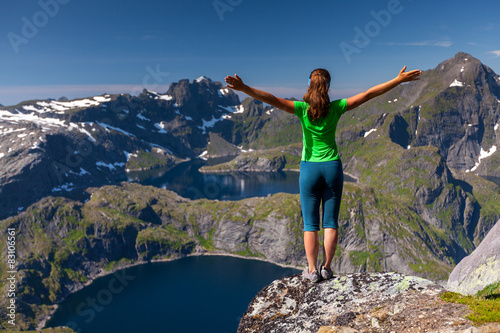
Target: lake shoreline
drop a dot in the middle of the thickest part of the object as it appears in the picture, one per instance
(102, 273)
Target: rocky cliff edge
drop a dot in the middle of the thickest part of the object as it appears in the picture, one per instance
(361, 302)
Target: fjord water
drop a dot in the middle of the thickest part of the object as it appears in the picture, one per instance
(194, 294)
(188, 182)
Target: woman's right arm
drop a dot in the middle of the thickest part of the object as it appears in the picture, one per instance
(236, 83)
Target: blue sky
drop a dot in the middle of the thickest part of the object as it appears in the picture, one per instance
(76, 48)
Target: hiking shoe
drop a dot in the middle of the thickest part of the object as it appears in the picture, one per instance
(326, 273)
(313, 277)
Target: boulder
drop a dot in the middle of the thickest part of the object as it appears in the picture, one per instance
(359, 302)
(480, 268)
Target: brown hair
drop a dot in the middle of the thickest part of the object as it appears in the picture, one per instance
(317, 94)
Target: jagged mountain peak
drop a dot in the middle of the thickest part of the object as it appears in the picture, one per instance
(463, 69)
(203, 78)
(460, 58)
(202, 93)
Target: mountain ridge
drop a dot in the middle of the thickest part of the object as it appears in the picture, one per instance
(416, 208)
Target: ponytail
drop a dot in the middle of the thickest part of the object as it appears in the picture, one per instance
(317, 94)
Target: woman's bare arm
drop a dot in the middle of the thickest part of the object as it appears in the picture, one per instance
(236, 83)
(357, 100)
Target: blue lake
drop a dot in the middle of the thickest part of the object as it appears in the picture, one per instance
(187, 181)
(194, 294)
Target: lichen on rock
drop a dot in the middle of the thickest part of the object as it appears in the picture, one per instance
(360, 302)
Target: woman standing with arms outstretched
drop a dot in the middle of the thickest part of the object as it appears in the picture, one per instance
(321, 177)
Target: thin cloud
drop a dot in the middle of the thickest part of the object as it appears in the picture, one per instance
(425, 43)
(496, 53)
(15, 94)
(488, 27)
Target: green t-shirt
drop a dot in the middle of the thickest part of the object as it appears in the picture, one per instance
(319, 135)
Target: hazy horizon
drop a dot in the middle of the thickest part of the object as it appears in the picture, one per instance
(55, 48)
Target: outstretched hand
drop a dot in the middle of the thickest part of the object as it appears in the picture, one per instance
(234, 82)
(409, 76)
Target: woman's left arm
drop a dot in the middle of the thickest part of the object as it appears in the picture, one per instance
(357, 100)
(236, 83)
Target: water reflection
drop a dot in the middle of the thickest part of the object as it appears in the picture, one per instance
(187, 181)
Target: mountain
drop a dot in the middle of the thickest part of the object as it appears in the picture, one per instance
(94, 141)
(62, 147)
(424, 156)
(454, 107)
(425, 143)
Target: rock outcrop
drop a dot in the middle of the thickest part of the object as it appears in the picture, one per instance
(480, 268)
(352, 303)
(265, 160)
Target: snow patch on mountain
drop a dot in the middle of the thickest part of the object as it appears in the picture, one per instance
(166, 97)
(111, 166)
(161, 128)
(107, 127)
(223, 92)
(209, 123)
(140, 116)
(229, 109)
(81, 173)
(202, 78)
(127, 154)
(66, 187)
(482, 155)
(202, 155)
(61, 106)
(240, 108)
(14, 118)
(244, 150)
(457, 83)
(370, 131)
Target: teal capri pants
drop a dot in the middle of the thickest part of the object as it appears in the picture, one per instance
(320, 182)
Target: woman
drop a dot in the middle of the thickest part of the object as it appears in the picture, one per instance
(321, 176)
